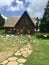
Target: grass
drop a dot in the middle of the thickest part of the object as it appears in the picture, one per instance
(2, 32)
(40, 54)
(11, 43)
(40, 48)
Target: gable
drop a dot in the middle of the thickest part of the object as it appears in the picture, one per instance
(12, 21)
(25, 18)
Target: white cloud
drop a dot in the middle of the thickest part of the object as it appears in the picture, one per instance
(20, 6)
(11, 8)
(27, 1)
(36, 7)
(5, 3)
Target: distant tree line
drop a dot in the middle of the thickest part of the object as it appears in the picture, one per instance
(2, 21)
(44, 21)
(44, 26)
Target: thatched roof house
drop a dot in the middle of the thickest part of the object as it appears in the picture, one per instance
(20, 25)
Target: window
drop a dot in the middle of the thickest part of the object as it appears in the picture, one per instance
(10, 28)
(23, 27)
(21, 30)
(13, 28)
(28, 31)
(25, 21)
(17, 30)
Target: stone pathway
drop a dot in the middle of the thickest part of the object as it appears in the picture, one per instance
(19, 57)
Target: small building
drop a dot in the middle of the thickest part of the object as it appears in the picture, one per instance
(20, 25)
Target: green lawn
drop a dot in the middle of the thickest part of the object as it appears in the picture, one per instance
(9, 44)
(40, 54)
(12, 42)
(40, 47)
(2, 32)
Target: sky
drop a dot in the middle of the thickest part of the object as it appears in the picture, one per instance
(35, 8)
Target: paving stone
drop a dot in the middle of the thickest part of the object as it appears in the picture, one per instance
(21, 49)
(26, 49)
(23, 52)
(4, 62)
(17, 53)
(29, 51)
(12, 58)
(29, 46)
(25, 55)
(12, 63)
(21, 60)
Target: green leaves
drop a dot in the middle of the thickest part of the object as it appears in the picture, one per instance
(2, 21)
(44, 26)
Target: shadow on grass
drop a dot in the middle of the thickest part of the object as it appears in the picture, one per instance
(42, 37)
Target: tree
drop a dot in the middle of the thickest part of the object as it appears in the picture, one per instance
(2, 21)
(44, 26)
(37, 23)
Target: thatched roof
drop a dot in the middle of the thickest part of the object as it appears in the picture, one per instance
(12, 21)
(33, 20)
